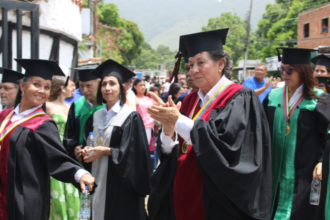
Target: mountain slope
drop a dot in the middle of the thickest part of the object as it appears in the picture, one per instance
(162, 21)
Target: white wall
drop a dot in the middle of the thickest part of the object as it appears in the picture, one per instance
(59, 16)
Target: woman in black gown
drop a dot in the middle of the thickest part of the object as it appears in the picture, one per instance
(121, 159)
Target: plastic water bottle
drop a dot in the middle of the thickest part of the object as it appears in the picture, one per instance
(85, 208)
(315, 192)
(90, 141)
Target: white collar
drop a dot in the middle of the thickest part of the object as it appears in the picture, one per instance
(206, 97)
(296, 94)
(112, 111)
(90, 104)
(18, 115)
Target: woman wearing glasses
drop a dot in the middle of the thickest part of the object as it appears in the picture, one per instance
(298, 116)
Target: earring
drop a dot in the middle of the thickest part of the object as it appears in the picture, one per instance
(63, 91)
(22, 93)
(219, 71)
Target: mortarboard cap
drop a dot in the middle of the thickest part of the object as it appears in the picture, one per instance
(11, 76)
(203, 41)
(84, 72)
(183, 49)
(45, 69)
(112, 68)
(324, 83)
(321, 60)
(292, 55)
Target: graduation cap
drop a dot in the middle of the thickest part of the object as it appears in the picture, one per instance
(45, 69)
(84, 72)
(11, 76)
(321, 60)
(203, 41)
(324, 82)
(112, 68)
(292, 55)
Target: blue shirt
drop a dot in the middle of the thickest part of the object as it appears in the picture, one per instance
(254, 84)
(76, 95)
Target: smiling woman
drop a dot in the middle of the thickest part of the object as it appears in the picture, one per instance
(31, 148)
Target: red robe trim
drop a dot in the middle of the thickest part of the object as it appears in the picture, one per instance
(188, 182)
(32, 124)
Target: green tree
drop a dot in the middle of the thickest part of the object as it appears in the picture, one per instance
(148, 58)
(235, 41)
(278, 26)
(132, 42)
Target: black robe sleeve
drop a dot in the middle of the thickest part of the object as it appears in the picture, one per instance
(233, 151)
(132, 157)
(130, 154)
(323, 118)
(53, 154)
(71, 133)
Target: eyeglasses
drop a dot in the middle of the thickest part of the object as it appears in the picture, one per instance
(6, 88)
(288, 71)
(186, 87)
(181, 79)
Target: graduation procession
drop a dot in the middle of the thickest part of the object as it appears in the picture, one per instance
(227, 124)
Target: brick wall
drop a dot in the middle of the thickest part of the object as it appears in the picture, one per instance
(314, 18)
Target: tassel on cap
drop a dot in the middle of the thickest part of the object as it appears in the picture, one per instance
(176, 69)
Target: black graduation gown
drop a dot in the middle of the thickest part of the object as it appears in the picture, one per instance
(78, 114)
(129, 170)
(35, 155)
(233, 155)
(309, 149)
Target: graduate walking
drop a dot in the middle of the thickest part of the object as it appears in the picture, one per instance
(298, 116)
(215, 153)
(120, 159)
(31, 150)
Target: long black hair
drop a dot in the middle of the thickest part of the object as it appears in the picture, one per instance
(174, 89)
(99, 96)
(137, 81)
(19, 93)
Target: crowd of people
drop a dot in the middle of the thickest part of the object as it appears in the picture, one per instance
(200, 146)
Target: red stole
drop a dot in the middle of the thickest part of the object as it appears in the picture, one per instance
(188, 182)
(32, 124)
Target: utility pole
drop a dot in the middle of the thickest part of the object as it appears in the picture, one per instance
(95, 26)
(247, 39)
(91, 17)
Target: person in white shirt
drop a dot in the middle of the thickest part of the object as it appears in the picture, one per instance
(120, 160)
(215, 151)
(31, 148)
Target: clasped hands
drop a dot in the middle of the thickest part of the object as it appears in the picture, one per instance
(167, 114)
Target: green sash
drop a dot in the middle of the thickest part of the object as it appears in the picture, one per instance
(283, 151)
(82, 109)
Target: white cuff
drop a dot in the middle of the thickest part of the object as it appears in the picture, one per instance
(79, 174)
(183, 127)
(167, 142)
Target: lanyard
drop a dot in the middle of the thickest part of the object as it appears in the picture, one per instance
(205, 107)
(289, 110)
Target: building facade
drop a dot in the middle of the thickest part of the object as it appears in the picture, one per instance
(313, 27)
(60, 32)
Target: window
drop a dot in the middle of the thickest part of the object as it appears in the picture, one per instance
(325, 25)
(306, 30)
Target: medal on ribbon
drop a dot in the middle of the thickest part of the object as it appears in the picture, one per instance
(99, 141)
(289, 110)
